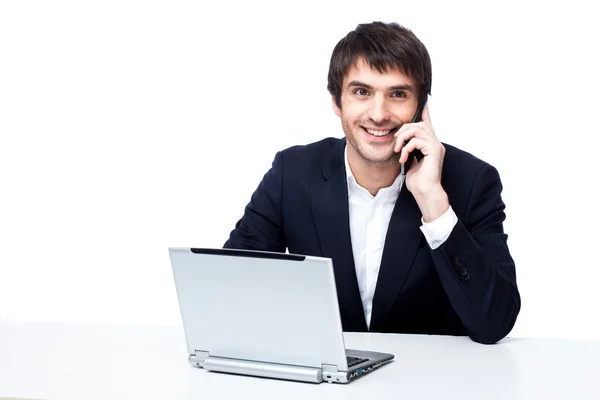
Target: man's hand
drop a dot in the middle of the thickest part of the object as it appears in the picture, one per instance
(423, 178)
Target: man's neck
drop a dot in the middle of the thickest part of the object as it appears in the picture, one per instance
(370, 175)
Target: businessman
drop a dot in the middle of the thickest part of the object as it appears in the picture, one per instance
(414, 226)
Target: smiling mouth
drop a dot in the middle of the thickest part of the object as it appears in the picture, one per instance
(381, 132)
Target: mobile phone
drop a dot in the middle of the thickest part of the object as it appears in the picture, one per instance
(416, 152)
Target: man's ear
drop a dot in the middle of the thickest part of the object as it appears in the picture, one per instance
(336, 109)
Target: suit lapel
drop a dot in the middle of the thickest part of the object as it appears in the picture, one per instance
(401, 242)
(330, 210)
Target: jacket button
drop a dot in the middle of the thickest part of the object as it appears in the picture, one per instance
(466, 277)
(462, 271)
(455, 261)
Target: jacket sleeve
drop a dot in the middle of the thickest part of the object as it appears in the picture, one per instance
(261, 226)
(475, 265)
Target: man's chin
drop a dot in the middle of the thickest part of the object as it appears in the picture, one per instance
(381, 158)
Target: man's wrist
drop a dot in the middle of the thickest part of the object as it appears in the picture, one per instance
(433, 204)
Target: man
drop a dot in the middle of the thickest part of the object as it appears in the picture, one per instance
(417, 243)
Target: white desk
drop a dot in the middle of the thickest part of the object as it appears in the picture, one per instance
(86, 361)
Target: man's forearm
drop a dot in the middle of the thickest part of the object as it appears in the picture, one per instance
(481, 289)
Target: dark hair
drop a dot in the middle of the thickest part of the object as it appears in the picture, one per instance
(383, 46)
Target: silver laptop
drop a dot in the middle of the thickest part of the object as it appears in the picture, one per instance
(265, 314)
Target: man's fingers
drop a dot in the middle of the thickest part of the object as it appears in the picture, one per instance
(415, 131)
(406, 135)
(414, 143)
(402, 129)
(425, 116)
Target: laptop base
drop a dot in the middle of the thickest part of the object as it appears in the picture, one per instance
(327, 373)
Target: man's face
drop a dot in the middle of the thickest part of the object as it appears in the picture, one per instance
(374, 107)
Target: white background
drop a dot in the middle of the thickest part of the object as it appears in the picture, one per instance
(128, 127)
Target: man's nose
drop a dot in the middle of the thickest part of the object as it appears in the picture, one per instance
(378, 111)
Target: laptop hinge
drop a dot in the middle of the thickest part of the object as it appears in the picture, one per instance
(263, 369)
(197, 359)
(330, 373)
(330, 369)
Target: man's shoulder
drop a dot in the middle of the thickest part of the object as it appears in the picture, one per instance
(314, 154)
(462, 169)
(457, 158)
(309, 160)
(323, 146)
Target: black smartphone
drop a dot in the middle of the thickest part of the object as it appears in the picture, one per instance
(415, 153)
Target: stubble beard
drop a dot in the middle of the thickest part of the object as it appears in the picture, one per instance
(379, 154)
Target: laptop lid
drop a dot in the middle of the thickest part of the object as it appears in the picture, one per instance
(259, 306)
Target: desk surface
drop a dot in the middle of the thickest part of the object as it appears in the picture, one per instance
(87, 361)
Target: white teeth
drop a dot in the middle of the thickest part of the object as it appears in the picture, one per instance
(378, 133)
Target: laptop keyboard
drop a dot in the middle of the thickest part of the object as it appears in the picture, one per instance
(352, 361)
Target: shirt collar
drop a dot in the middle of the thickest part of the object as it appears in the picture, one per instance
(349, 175)
(394, 189)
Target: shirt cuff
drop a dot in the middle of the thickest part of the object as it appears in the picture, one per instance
(437, 231)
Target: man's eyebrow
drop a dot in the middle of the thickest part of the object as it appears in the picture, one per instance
(396, 87)
(402, 87)
(360, 84)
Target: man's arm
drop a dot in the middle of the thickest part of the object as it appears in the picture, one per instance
(260, 228)
(475, 265)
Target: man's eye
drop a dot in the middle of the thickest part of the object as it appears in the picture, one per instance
(361, 92)
(398, 93)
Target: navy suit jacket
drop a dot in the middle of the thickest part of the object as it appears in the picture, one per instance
(467, 286)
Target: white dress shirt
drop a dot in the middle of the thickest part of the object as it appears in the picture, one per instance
(369, 219)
